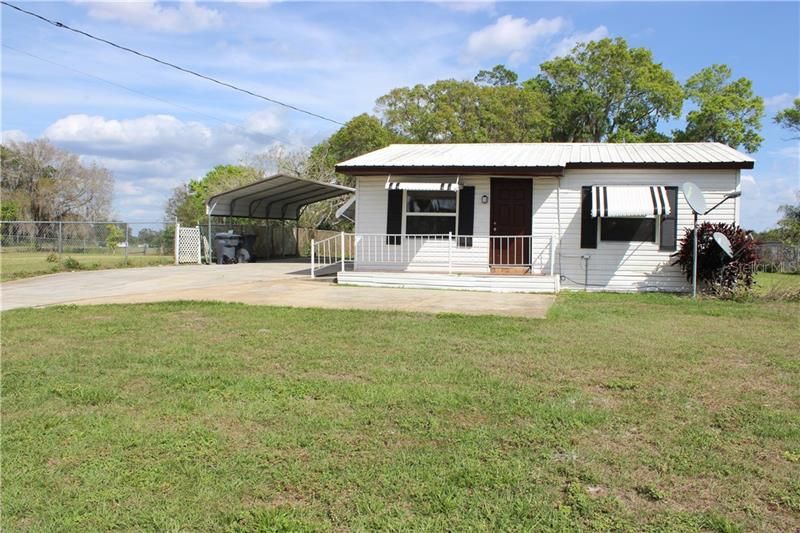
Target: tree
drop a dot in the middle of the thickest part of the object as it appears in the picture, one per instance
(188, 202)
(463, 111)
(47, 183)
(789, 118)
(605, 91)
(789, 224)
(497, 77)
(360, 135)
(114, 236)
(727, 111)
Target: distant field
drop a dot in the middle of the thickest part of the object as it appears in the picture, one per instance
(635, 412)
(15, 265)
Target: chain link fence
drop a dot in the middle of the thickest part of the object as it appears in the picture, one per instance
(37, 247)
(40, 247)
(778, 257)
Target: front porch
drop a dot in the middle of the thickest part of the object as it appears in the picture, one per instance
(492, 263)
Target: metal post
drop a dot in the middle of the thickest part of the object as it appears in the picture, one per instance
(60, 238)
(694, 259)
(312, 258)
(126, 243)
(343, 268)
(449, 252)
(177, 240)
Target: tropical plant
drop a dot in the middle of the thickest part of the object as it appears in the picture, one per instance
(715, 270)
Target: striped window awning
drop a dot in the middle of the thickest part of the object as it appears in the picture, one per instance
(629, 201)
(423, 183)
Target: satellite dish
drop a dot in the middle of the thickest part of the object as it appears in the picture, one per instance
(723, 242)
(694, 197)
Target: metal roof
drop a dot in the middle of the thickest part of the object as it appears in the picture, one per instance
(551, 156)
(276, 197)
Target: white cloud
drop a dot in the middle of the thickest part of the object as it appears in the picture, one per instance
(751, 180)
(154, 135)
(792, 152)
(565, 45)
(779, 101)
(126, 188)
(263, 123)
(512, 37)
(184, 17)
(152, 154)
(16, 136)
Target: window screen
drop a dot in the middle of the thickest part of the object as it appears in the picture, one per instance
(628, 229)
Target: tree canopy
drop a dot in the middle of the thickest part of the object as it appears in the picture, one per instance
(727, 111)
(602, 91)
(789, 118)
(606, 91)
(42, 182)
(187, 204)
(465, 112)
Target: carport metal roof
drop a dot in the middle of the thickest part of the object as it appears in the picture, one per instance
(279, 197)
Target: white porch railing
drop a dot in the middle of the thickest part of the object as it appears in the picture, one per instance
(447, 253)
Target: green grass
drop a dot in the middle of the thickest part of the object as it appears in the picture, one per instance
(16, 265)
(631, 412)
(766, 281)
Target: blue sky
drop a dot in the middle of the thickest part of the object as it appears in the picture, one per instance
(337, 59)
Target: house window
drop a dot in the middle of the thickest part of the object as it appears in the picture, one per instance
(430, 212)
(628, 229)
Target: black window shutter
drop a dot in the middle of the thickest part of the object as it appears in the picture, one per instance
(394, 216)
(466, 216)
(588, 222)
(669, 223)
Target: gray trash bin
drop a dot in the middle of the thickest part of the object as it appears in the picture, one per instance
(225, 246)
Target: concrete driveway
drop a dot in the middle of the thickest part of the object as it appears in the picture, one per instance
(284, 283)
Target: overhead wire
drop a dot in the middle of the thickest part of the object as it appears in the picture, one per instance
(169, 64)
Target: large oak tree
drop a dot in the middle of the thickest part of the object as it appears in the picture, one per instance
(605, 91)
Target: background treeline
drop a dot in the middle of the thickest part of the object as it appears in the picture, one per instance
(39, 181)
(603, 91)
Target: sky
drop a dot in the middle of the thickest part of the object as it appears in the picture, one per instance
(156, 127)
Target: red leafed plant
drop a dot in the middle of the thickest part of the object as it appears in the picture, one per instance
(715, 269)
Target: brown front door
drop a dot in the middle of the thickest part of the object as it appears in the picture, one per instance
(511, 205)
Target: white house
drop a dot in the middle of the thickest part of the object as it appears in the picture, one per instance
(534, 217)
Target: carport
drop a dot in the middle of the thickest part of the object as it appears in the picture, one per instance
(279, 197)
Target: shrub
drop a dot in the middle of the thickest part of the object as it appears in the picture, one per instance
(70, 263)
(52, 257)
(725, 277)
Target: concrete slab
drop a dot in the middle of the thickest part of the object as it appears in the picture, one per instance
(275, 283)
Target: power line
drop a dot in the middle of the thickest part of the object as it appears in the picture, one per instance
(168, 64)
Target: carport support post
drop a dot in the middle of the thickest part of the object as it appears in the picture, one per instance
(342, 251)
(312, 258)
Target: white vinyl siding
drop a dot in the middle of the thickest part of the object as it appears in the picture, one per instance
(412, 254)
(614, 266)
(634, 266)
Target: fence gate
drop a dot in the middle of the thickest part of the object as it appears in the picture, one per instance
(188, 245)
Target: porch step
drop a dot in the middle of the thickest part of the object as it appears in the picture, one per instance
(510, 270)
(462, 282)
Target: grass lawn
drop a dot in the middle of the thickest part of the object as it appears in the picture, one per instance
(617, 412)
(15, 265)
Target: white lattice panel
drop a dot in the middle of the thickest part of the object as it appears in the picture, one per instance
(188, 247)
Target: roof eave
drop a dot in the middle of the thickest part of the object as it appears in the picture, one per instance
(364, 170)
